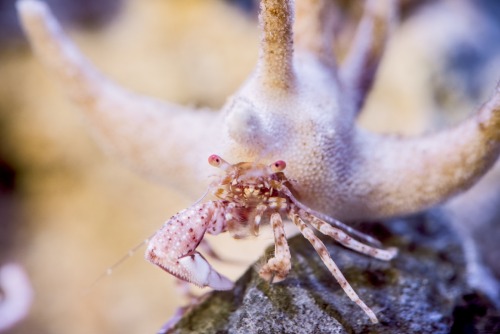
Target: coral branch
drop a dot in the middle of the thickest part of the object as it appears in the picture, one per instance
(143, 131)
(314, 28)
(292, 108)
(442, 164)
(360, 66)
(276, 58)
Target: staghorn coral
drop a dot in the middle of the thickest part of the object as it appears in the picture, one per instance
(298, 105)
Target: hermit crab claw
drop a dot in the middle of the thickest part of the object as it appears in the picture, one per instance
(193, 268)
(173, 247)
(203, 274)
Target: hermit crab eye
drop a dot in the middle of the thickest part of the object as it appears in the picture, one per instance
(215, 160)
(278, 166)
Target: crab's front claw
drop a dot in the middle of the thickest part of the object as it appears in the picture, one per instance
(173, 247)
(203, 274)
(191, 268)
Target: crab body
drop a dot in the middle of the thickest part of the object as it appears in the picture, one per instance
(248, 195)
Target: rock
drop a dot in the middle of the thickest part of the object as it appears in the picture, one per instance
(474, 313)
(419, 292)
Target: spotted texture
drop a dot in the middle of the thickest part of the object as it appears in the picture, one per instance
(345, 239)
(181, 234)
(277, 267)
(332, 267)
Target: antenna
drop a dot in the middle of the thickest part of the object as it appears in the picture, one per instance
(130, 253)
(110, 269)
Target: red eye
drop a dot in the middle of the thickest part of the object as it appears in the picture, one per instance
(215, 160)
(278, 166)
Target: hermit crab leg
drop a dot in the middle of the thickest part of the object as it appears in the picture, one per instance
(277, 268)
(330, 220)
(330, 264)
(173, 247)
(346, 240)
(257, 217)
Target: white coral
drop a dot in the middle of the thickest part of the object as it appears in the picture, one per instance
(296, 106)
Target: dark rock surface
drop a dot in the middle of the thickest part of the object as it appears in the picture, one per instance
(423, 290)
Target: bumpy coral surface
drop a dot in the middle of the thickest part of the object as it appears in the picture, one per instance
(298, 105)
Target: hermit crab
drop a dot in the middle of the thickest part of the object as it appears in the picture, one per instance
(248, 195)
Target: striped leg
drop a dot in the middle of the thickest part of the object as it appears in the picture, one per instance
(277, 268)
(328, 219)
(346, 240)
(257, 217)
(332, 267)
